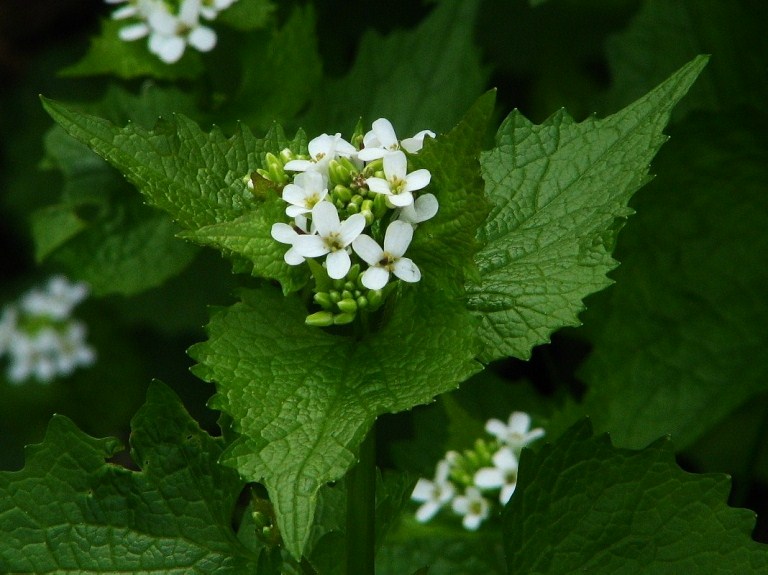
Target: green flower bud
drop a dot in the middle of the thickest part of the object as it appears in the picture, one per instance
(375, 298)
(342, 193)
(348, 306)
(349, 285)
(320, 319)
(343, 318)
(357, 199)
(323, 299)
(352, 209)
(286, 155)
(338, 174)
(353, 274)
(335, 296)
(369, 217)
(362, 302)
(346, 294)
(367, 205)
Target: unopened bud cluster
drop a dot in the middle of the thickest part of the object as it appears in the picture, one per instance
(170, 25)
(463, 481)
(333, 195)
(39, 336)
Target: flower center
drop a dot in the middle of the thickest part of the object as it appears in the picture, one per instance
(396, 185)
(333, 242)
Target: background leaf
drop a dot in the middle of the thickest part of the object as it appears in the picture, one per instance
(559, 191)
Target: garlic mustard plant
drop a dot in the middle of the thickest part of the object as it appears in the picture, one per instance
(333, 196)
(470, 482)
(169, 26)
(39, 335)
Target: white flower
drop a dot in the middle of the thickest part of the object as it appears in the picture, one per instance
(517, 433)
(170, 33)
(433, 494)
(322, 150)
(332, 238)
(308, 189)
(56, 300)
(382, 140)
(503, 475)
(287, 234)
(424, 208)
(473, 507)
(399, 185)
(390, 259)
(73, 352)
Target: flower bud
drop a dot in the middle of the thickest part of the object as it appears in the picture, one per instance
(342, 193)
(380, 205)
(352, 275)
(362, 302)
(335, 296)
(346, 294)
(320, 319)
(375, 298)
(286, 155)
(347, 306)
(357, 199)
(338, 174)
(343, 318)
(353, 209)
(323, 299)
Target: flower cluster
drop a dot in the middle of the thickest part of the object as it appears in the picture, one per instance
(169, 25)
(490, 467)
(40, 337)
(335, 194)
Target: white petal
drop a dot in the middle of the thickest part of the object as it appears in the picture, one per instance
(124, 12)
(519, 422)
(163, 22)
(401, 200)
(406, 270)
(397, 238)
(414, 144)
(506, 493)
(344, 148)
(202, 38)
(489, 478)
(298, 165)
(370, 154)
(396, 165)
(378, 186)
(338, 264)
(208, 13)
(427, 511)
(326, 218)
(426, 207)
(461, 504)
(283, 233)
(367, 248)
(293, 258)
(385, 133)
(133, 32)
(471, 521)
(310, 246)
(496, 427)
(375, 278)
(293, 211)
(423, 490)
(442, 471)
(504, 459)
(169, 48)
(313, 182)
(294, 194)
(417, 180)
(351, 228)
(189, 12)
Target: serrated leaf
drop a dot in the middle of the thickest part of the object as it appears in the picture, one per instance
(419, 79)
(108, 54)
(678, 342)
(582, 505)
(69, 510)
(303, 399)
(559, 191)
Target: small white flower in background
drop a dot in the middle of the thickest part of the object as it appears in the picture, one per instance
(398, 185)
(41, 339)
(170, 28)
(322, 150)
(517, 433)
(473, 507)
(381, 140)
(502, 476)
(332, 238)
(382, 262)
(433, 494)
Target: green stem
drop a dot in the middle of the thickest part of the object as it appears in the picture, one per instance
(361, 510)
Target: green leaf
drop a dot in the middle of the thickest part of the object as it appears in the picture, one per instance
(197, 178)
(108, 54)
(303, 399)
(582, 505)
(246, 16)
(679, 342)
(664, 35)
(419, 79)
(560, 193)
(69, 510)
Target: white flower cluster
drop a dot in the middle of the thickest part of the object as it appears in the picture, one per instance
(41, 339)
(489, 467)
(170, 26)
(338, 192)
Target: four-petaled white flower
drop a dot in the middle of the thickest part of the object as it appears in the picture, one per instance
(381, 140)
(503, 475)
(424, 208)
(172, 32)
(398, 185)
(308, 189)
(390, 259)
(332, 237)
(473, 507)
(517, 433)
(322, 150)
(433, 494)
